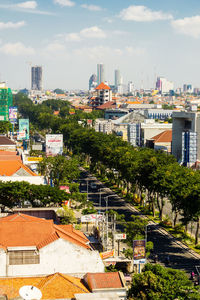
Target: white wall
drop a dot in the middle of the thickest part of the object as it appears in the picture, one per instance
(30, 179)
(59, 256)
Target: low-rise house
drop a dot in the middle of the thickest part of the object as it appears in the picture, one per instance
(31, 246)
(55, 286)
(107, 283)
(161, 141)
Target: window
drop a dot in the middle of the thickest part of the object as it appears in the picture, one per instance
(23, 257)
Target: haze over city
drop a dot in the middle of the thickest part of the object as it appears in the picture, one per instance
(144, 39)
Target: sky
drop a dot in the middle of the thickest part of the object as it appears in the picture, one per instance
(68, 38)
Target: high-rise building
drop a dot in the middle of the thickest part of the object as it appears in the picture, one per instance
(163, 85)
(6, 100)
(185, 130)
(130, 87)
(92, 81)
(36, 78)
(100, 73)
(118, 79)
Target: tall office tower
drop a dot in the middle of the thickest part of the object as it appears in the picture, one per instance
(118, 79)
(130, 87)
(36, 78)
(92, 81)
(163, 85)
(6, 100)
(100, 73)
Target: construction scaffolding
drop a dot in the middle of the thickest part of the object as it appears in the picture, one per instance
(6, 100)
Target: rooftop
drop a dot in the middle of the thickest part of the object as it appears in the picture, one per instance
(55, 286)
(10, 167)
(4, 140)
(103, 280)
(102, 86)
(163, 137)
(20, 230)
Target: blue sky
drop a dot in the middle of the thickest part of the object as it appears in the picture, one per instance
(142, 38)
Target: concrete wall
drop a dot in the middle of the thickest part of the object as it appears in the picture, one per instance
(59, 256)
(179, 119)
(30, 179)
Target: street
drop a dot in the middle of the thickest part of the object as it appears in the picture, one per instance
(180, 256)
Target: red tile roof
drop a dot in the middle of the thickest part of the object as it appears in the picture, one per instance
(9, 155)
(55, 286)
(4, 140)
(106, 105)
(163, 137)
(10, 167)
(103, 280)
(20, 230)
(102, 86)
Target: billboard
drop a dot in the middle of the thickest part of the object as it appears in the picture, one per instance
(139, 252)
(107, 254)
(23, 129)
(91, 218)
(13, 114)
(54, 144)
(120, 236)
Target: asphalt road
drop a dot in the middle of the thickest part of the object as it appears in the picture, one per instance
(181, 257)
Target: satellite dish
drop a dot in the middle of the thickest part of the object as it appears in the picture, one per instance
(29, 292)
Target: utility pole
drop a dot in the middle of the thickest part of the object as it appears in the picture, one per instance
(87, 189)
(106, 199)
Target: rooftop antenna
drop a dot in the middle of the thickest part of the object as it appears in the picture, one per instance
(30, 292)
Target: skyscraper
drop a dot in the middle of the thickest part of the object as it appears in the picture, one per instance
(92, 81)
(100, 73)
(118, 79)
(36, 78)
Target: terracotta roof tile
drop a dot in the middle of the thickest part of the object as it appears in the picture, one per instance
(163, 137)
(4, 140)
(106, 105)
(22, 230)
(56, 286)
(103, 280)
(102, 86)
(10, 167)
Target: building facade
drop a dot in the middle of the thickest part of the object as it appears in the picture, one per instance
(100, 73)
(36, 78)
(6, 100)
(185, 137)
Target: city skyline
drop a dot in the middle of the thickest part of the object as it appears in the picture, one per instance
(68, 38)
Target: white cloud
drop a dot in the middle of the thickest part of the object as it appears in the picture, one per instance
(91, 7)
(27, 5)
(142, 13)
(100, 52)
(16, 49)
(86, 33)
(65, 2)
(55, 47)
(73, 37)
(188, 26)
(93, 32)
(11, 25)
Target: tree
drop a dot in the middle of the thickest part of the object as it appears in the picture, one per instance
(67, 215)
(5, 127)
(159, 283)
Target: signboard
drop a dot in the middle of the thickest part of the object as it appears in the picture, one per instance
(23, 129)
(107, 254)
(32, 158)
(64, 188)
(120, 236)
(139, 252)
(13, 114)
(54, 144)
(91, 218)
(37, 147)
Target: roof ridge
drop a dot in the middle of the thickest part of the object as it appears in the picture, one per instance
(67, 233)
